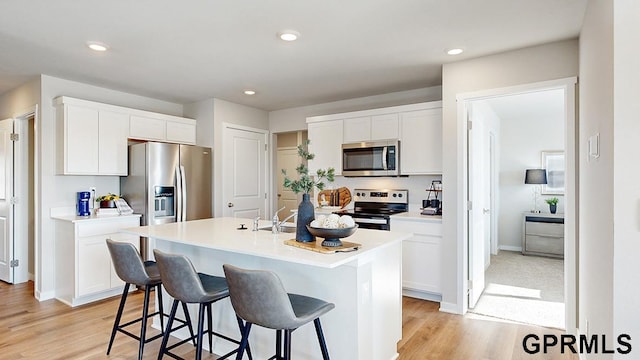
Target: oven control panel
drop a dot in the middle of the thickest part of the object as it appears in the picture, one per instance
(383, 196)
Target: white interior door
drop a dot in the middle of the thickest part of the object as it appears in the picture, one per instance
(288, 160)
(6, 206)
(478, 212)
(244, 173)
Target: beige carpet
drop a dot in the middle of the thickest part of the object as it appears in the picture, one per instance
(525, 289)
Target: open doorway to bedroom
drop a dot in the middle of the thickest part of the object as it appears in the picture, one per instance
(509, 134)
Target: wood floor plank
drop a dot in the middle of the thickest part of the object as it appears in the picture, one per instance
(51, 330)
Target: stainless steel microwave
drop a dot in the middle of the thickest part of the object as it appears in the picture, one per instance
(376, 158)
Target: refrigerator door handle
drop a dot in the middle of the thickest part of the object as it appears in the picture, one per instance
(178, 194)
(184, 193)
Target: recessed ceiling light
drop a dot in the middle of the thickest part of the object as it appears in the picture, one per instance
(456, 51)
(249, 92)
(289, 35)
(97, 46)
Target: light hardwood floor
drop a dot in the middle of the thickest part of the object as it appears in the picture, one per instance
(51, 330)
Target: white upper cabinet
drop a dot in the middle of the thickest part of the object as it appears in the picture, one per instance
(371, 128)
(326, 145)
(421, 142)
(384, 126)
(146, 128)
(92, 137)
(163, 128)
(417, 126)
(93, 141)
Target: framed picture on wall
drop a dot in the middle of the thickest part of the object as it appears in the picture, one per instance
(553, 162)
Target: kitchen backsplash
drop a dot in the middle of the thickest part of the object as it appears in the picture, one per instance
(416, 184)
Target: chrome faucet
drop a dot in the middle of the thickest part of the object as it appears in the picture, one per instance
(276, 224)
(255, 223)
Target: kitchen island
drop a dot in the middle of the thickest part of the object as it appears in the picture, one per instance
(365, 284)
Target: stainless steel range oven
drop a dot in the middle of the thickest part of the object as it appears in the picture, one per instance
(372, 208)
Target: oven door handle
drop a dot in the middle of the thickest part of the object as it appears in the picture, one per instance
(370, 221)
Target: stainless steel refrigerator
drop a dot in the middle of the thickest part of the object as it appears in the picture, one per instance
(167, 183)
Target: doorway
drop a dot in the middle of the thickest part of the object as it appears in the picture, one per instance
(245, 172)
(287, 159)
(511, 181)
(18, 199)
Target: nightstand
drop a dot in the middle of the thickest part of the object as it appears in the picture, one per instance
(543, 234)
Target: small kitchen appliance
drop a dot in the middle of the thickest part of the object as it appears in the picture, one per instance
(83, 207)
(433, 206)
(373, 208)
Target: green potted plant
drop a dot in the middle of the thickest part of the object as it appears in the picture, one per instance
(553, 204)
(107, 201)
(306, 183)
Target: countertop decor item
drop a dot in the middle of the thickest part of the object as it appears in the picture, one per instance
(306, 183)
(332, 236)
(107, 201)
(341, 197)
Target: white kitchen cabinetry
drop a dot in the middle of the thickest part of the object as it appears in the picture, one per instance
(92, 137)
(93, 141)
(326, 145)
(84, 272)
(417, 126)
(371, 128)
(421, 141)
(163, 128)
(421, 257)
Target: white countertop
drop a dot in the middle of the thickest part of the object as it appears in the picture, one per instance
(223, 234)
(415, 215)
(75, 218)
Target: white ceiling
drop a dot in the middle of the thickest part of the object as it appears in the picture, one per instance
(186, 51)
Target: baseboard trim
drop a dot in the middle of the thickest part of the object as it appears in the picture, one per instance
(510, 248)
(451, 308)
(422, 295)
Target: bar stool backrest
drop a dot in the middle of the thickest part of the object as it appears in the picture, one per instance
(128, 263)
(180, 278)
(259, 297)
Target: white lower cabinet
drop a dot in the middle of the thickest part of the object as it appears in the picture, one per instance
(421, 258)
(84, 271)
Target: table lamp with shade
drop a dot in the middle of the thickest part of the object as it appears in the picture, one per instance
(536, 177)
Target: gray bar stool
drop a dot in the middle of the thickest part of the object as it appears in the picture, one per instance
(133, 271)
(258, 297)
(186, 285)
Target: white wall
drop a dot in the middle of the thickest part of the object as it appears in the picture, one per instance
(626, 230)
(596, 193)
(534, 64)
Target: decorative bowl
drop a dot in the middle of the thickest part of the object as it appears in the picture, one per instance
(332, 236)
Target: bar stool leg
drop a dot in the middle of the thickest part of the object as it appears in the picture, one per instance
(241, 327)
(160, 307)
(201, 310)
(323, 344)
(165, 337)
(244, 341)
(287, 344)
(116, 322)
(187, 318)
(278, 344)
(143, 327)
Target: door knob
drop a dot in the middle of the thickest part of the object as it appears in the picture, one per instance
(486, 211)
(230, 204)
